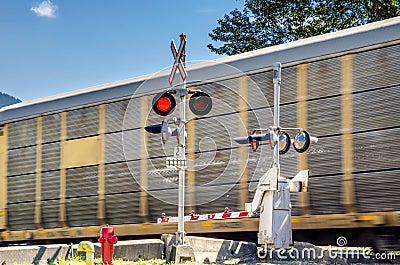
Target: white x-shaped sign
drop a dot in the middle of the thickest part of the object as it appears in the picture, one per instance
(178, 64)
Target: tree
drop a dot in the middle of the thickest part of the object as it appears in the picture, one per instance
(264, 23)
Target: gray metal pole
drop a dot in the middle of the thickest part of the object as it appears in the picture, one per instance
(277, 86)
(182, 146)
(181, 194)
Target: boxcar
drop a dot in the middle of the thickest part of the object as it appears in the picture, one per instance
(74, 162)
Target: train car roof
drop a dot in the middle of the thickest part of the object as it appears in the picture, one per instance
(293, 52)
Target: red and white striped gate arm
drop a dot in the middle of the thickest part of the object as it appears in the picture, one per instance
(203, 217)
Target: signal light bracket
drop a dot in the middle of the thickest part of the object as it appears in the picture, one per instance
(273, 134)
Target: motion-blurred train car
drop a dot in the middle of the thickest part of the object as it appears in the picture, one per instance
(72, 163)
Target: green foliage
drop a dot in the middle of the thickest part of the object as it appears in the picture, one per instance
(264, 23)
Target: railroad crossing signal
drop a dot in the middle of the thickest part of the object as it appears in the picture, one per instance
(164, 103)
(275, 226)
(277, 135)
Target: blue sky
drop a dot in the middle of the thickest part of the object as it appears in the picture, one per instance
(50, 47)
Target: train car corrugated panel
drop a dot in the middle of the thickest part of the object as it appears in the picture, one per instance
(50, 185)
(115, 113)
(324, 78)
(264, 84)
(51, 128)
(82, 181)
(21, 216)
(260, 160)
(131, 118)
(326, 157)
(324, 116)
(258, 95)
(131, 142)
(51, 155)
(50, 199)
(134, 168)
(50, 213)
(21, 133)
(159, 177)
(118, 178)
(258, 163)
(213, 199)
(263, 118)
(154, 149)
(82, 211)
(83, 122)
(123, 208)
(376, 150)
(288, 86)
(215, 133)
(250, 195)
(294, 200)
(376, 68)
(164, 201)
(325, 194)
(21, 188)
(376, 109)
(378, 191)
(114, 151)
(224, 95)
(289, 163)
(288, 116)
(21, 160)
(217, 167)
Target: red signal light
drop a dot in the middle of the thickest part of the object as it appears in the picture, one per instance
(200, 103)
(164, 103)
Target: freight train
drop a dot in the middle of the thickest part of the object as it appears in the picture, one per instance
(74, 162)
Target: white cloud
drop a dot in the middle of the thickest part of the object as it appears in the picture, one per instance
(45, 9)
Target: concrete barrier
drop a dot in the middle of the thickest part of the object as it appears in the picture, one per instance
(211, 250)
(131, 250)
(134, 250)
(33, 254)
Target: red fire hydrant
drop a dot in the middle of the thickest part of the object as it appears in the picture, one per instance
(107, 240)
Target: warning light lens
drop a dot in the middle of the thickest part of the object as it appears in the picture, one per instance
(301, 141)
(284, 143)
(200, 103)
(164, 103)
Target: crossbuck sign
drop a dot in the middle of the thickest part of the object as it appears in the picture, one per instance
(178, 60)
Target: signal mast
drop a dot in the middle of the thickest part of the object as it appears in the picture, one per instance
(272, 197)
(163, 104)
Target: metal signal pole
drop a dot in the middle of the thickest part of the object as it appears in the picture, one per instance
(277, 87)
(181, 153)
